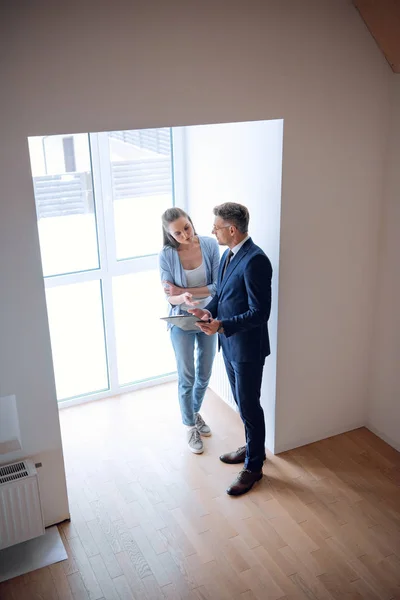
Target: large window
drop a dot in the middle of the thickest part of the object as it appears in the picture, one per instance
(99, 199)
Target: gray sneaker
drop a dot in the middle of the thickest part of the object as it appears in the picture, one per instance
(194, 440)
(201, 425)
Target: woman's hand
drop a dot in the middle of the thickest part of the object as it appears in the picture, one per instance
(172, 290)
(187, 298)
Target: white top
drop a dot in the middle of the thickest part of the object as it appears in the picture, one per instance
(196, 278)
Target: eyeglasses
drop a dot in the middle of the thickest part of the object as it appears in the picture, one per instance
(214, 229)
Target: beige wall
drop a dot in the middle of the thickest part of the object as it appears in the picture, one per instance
(384, 402)
(90, 66)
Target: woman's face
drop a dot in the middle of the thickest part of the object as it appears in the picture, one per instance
(181, 230)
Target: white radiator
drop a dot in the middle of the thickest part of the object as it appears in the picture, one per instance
(21, 516)
(219, 382)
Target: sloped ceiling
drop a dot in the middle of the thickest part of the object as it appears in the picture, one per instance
(382, 18)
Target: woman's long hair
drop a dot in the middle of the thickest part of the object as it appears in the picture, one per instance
(168, 217)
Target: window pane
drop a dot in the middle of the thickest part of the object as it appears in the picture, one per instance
(77, 338)
(143, 346)
(62, 181)
(141, 179)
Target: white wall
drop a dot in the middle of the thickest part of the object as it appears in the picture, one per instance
(25, 356)
(117, 65)
(241, 162)
(384, 402)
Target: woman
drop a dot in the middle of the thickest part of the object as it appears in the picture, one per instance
(189, 268)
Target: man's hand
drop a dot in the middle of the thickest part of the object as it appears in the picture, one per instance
(172, 290)
(210, 325)
(209, 328)
(204, 315)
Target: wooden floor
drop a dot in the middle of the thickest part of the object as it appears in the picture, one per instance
(151, 520)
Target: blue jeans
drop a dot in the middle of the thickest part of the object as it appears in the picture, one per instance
(194, 368)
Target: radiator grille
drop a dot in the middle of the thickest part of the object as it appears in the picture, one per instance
(12, 472)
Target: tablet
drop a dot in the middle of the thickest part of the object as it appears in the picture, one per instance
(186, 322)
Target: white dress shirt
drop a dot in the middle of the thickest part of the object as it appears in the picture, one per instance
(236, 248)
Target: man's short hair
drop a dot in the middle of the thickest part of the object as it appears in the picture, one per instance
(235, 214)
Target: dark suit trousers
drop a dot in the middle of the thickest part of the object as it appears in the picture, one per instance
(245, 380)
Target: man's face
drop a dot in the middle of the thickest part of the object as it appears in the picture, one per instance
(223, 231)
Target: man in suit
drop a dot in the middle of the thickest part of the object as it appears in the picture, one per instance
(240, 311)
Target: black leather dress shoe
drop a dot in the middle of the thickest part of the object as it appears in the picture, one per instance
(244, 482)
(236, 457)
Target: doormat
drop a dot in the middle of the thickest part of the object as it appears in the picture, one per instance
(34, 554)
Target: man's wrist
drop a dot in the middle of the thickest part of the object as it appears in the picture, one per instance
(220, 328)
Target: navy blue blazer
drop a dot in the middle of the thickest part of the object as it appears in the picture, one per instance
(243, 304)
